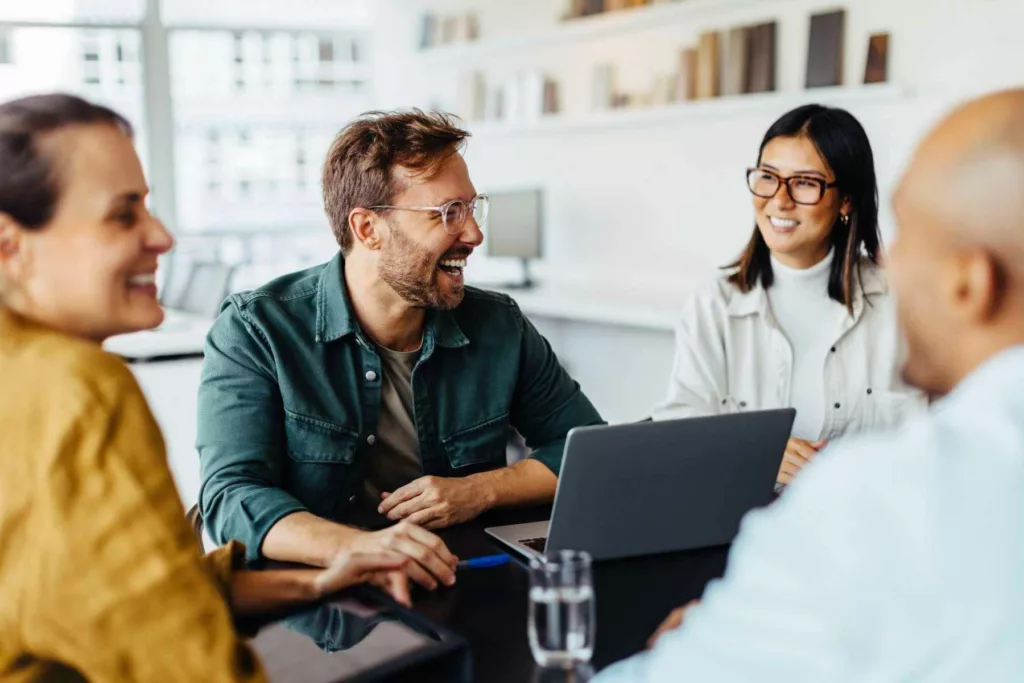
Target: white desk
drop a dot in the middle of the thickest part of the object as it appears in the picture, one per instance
(618, 343)
(182, 335)
(586, 304)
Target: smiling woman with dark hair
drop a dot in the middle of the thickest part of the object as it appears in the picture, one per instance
(803, 318)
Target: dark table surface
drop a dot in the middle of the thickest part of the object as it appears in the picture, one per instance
(488, 607)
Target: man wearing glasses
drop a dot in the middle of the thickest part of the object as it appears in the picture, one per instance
(379, 381)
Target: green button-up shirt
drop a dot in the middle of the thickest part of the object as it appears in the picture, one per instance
(290, 397)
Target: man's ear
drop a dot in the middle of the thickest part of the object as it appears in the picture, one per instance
(980, 285)
(365, 227)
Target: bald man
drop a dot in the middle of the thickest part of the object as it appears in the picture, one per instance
(900, 557)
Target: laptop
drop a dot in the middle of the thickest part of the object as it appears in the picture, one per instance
(655, 487)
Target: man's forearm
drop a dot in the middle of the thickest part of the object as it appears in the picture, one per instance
(266, 591)
(527, 482)
(305, 538)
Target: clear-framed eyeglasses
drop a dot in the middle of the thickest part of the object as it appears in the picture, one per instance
(452, 214)
(802, 189)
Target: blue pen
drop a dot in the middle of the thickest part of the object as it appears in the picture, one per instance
(484, 562)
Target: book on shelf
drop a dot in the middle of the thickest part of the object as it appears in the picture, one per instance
(449, 31)
(734, 61)
(825, 50)
(552, 102)
(472, 96)
(526, 97)
(472, 26)
(428, 31)
(708, 65)
(603, 87)
(663, 91)
(877, 68)
(686, 75)
(761, 57)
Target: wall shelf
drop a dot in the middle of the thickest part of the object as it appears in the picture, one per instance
(585, 28)
(718, 109)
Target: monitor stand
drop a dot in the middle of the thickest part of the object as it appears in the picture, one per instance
(526, 283)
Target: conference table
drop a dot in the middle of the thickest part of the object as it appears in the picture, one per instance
(488, 608)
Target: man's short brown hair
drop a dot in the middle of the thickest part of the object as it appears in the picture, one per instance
(359, 169)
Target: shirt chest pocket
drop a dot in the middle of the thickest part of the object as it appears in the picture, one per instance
(318, 463)
(478, 448)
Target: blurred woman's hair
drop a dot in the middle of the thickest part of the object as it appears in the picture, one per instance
(30, 181)
(842, 142)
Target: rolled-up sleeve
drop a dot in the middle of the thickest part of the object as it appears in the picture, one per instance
(547, 401)
(240, 434)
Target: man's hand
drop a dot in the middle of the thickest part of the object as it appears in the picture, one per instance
(674, 621)
(798, 453)
(436, 502)
(383, 569)
(430, 561)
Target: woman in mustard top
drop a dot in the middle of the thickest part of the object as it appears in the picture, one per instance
(100, 576)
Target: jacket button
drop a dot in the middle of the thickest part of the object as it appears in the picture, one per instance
(371, 439)
(837, 406)
(743, 404)
(833, 349)
(370, 375)
(352, 500)
(869, 391)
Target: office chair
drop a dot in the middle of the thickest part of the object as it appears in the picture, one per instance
(195, 520)
(204, 292)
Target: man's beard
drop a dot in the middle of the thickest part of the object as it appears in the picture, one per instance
(412, 272)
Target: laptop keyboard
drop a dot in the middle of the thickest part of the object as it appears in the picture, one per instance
(535, 544)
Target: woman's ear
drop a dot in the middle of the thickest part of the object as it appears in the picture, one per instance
(846, 207)
(12, 249)
(10, 238)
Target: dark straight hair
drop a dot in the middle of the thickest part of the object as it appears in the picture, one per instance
(841, 140)
(29, 181)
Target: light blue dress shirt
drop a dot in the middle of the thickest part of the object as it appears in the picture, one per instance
(893, 557)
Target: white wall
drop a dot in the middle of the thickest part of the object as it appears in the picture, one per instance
(670, 196)
(661, 205)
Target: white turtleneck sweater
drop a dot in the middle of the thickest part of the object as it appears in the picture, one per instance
(811, 321)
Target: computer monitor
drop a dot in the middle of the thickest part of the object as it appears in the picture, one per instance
(514, 227)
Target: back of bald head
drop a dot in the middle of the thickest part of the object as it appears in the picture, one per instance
(967, 176)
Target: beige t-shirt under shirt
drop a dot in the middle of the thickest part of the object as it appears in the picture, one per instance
(395, 457)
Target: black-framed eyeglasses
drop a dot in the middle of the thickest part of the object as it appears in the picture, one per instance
(802, 189)
(453, 214)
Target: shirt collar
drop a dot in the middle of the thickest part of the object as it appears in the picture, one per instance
(336, 319)
(870, 282)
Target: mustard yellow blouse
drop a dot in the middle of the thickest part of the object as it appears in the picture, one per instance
(100, 576)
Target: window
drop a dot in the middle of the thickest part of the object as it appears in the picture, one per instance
(253, 110)
(278, 97)
(81, 61)
(75, 11)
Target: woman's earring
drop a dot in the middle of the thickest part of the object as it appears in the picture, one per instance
(845, 219)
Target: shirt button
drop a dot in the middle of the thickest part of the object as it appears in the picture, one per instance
(837, 406)
(743, 404)
(371, 439)
(371, 375)
(869, 391)
(833, 349)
